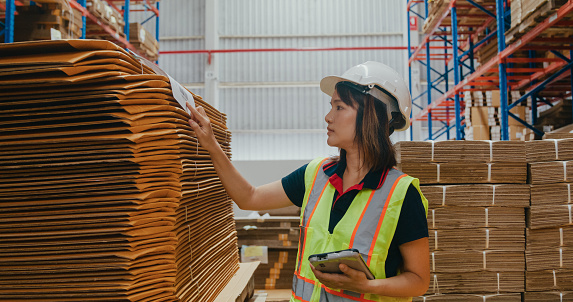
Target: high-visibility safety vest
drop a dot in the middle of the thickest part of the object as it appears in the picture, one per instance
(368, 225)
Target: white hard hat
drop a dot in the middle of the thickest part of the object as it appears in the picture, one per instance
(383, 83)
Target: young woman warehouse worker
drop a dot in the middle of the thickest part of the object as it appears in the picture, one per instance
(355, 200)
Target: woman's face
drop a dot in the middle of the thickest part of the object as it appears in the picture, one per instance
(341, 120)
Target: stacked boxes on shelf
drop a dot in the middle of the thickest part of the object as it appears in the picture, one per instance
(549, 251)
(526, 14)
(483, 116)
(477, 195)
(47, 20)
(144, 41)
(278, 237)
(481, 113)
(108, 16)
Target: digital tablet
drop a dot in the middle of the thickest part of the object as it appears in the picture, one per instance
(329, 262)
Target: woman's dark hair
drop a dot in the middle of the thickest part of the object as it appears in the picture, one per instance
(372, 128)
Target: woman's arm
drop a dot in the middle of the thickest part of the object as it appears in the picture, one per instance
(413, 281)
(245, 195)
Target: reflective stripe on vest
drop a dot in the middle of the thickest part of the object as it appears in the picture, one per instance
(361, 229)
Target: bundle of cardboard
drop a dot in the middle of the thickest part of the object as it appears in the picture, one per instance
(276, 235)
(547, 296)
(105, 194)
(476, 222)
(463, 162)
(549, 251)
(472, 298)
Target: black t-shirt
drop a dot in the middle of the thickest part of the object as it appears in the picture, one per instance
(412, 224)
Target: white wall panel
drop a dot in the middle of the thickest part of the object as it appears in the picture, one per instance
(318, 17)
(274, 106)
(280, 146)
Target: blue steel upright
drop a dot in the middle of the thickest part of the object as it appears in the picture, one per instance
(428, 79)
(157, 23)
(456, 72)
(502, 70)
(446, 79)
(126, 19)
(9, 22)
(409, 69)
(83, 4)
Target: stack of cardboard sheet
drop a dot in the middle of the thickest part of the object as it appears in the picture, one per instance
(477, 238)
(471, 298)
(550, 150)
(547, 296)
(463, 162)
(477, 230)
(507, 195)
(105, 194)
(549, 252)
(551, 172)
(559, 133)
(279, 237)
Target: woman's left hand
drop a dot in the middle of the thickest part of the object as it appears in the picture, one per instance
(351, 279)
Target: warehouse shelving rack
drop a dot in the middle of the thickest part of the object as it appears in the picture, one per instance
(544, 85)
(7, 29)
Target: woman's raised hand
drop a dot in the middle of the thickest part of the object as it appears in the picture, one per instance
(201, 124)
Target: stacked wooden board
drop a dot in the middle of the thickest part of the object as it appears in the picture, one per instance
(105, 194)
(476, 223)
(549, 252)
(279, 235)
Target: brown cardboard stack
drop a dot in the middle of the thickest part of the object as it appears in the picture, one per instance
(471, 298)
(144, 41)
(483, 116)
(37, 22)
(477, 230)
(563, 132)
(555, 117)
(463, 162)
(549, 251)
(107, 15)
(280, 236)
(105, 194)
(522, 9)
(481, 113)
(548, 296)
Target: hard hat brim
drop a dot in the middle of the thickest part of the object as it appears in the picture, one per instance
(328, 84)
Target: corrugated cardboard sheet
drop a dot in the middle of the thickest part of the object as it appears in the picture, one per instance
(105, 194)
(476, 216)
(549, 252)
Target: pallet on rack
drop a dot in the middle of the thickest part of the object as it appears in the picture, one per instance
(437, 9)
(38, 21)
(543, 10)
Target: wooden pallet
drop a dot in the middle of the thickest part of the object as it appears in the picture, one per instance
(438, 8)
(533, 19)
